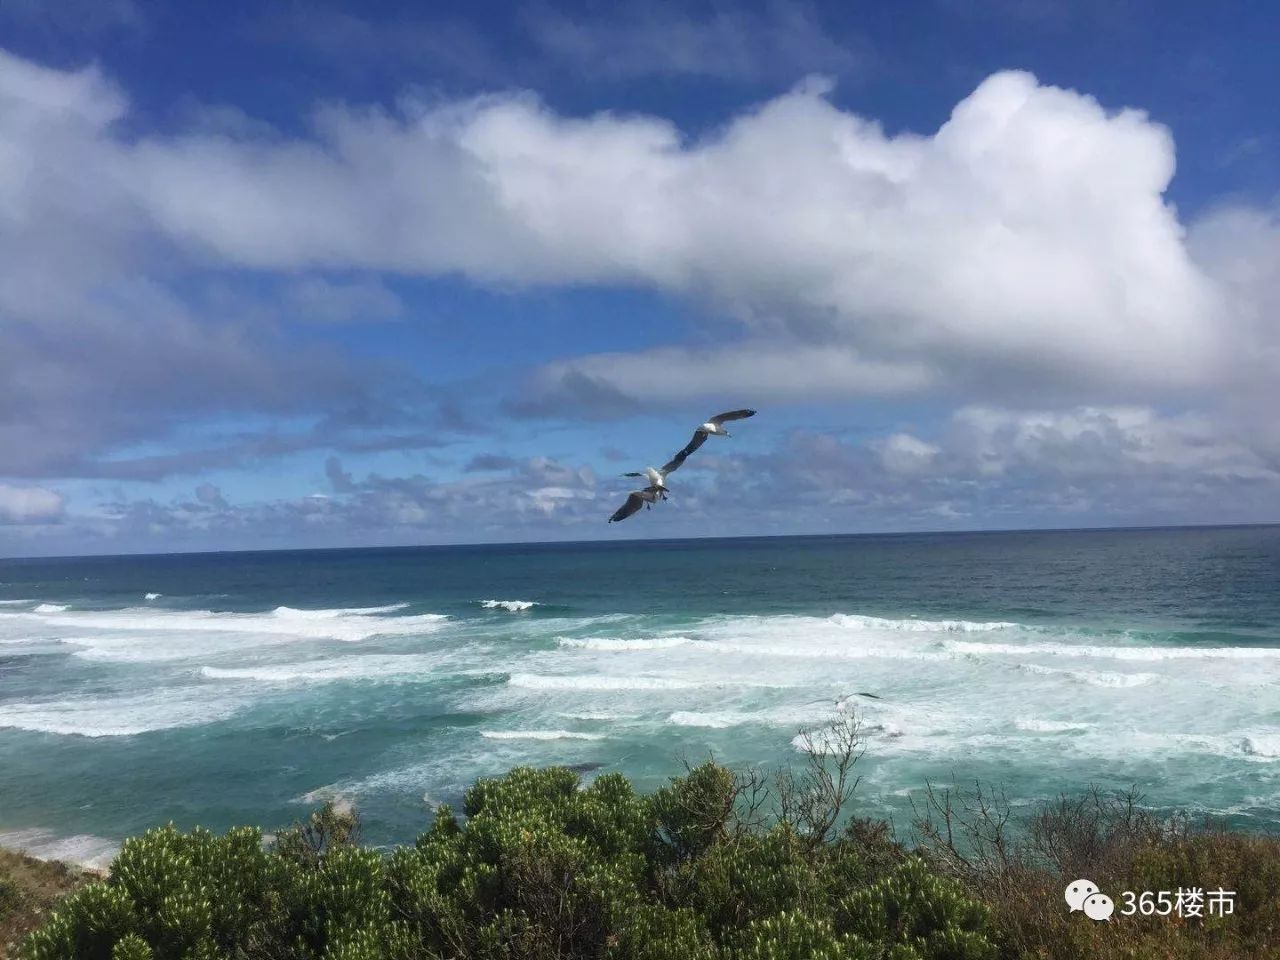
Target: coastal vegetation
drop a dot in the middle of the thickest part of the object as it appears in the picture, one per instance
(717, 865)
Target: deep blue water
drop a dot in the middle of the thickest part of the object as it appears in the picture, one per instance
(233, 688)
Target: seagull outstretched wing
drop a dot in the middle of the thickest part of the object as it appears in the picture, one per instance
(635, 500)
(720, 418)
(699, 438)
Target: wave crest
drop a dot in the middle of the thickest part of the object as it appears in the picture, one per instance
(1146, 654)
(539, 735)
(914, 625)
(623, 643)
(539, 681)
(511, 606)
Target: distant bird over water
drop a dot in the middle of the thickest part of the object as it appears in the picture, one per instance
(657, 489)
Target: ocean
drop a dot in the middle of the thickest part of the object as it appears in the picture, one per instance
(233, 688)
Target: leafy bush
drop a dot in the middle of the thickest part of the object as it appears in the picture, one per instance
(712, 867)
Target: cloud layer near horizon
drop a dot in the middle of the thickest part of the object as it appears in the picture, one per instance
(1021, 257)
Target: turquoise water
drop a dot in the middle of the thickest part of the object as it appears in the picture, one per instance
(239, 688)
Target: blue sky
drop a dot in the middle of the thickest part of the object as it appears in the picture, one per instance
(309, 274)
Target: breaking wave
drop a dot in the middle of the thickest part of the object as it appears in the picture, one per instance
(1146, 654)
(511, 606)
(620, 643)
(539, 735)
(388, 667)
(1036, 725)
(132, 632)
(1095, 678)
(913, 625)
(118, 716)
(536, 681)
(1261, 744)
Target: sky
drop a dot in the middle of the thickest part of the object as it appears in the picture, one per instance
(308, 274)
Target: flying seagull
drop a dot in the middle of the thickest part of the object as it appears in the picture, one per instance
(658, 478)
(845, 698)
(635, 500)
(712, 428)
(657, 489)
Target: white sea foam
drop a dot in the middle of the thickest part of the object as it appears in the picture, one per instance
(372, 667)
(800, 649)
(118, 716)
(714, 721)
(15, 603)
(535, 681)
(149, 634)
(152, 596)
(842, 636)
(341, 801)
(539, 735)
(785, 643)
(336, 612)
(1261, 744)
(50, 608)
(624, 643)
(1096, 678)
(511, 606)
(96, 853)
(1038, 725)
(793, 716)
(1112, 653)
(913, 625)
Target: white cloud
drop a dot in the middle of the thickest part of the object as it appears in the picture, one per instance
(1023, 249)
(1027, 238)
(903, 453)
(1120, 442)
(993, 466)
(1240, 247)
(21, 505)
(779, 368)
(99, 348)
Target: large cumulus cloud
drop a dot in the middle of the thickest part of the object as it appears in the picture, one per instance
(1027, 237)
(1020, 262)
(1026, 240)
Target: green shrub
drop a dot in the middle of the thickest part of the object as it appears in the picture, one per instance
(543, 868)
(87, 926)
(131, 947)
(916, 908)
(794, 936)
(758, 876)
(694, 812)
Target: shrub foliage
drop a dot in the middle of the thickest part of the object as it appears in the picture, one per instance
(715, 866)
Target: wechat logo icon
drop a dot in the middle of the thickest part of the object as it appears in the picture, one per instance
(1084, 895)
(1077, 892)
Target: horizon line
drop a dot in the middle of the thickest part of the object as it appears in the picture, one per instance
(1132, 528)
